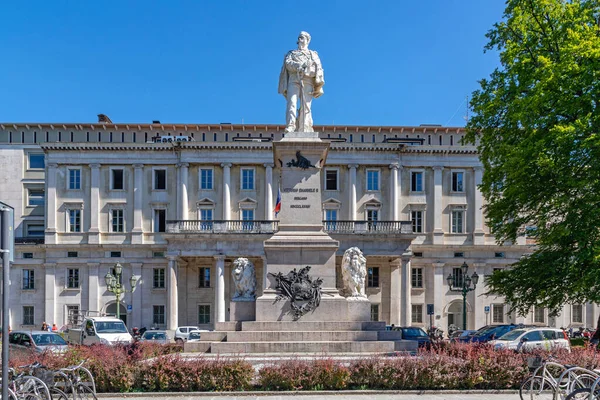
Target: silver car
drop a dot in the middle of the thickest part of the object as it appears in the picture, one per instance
(37, 341)
(161, 337)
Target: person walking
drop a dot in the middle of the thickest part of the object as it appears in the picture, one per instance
(44, 326)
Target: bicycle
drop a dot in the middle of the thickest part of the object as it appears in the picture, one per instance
(53, 379)
(80, 388)
(28, 387)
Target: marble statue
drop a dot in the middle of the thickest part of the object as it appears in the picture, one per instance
(244, 280)
(354, 272)
(300, 80)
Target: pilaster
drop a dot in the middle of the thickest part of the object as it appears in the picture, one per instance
(438, 233)
(219, 288)
(172, 295)
(478, 234)
(94, 231)
(352, 191)
(406, 315)
(137, 236)
(269, 191)
(226, 191)
(50, 293)
(93, 287)
(394, 204)
(183, 209)
(50, 233)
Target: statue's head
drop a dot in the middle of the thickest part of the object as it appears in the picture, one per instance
(303, 39)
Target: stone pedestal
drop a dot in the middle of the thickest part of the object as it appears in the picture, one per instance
(242, 310)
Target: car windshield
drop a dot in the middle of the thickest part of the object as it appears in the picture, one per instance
(483, 332)
(413, 332)
(512, 335)
(195, 335)
(110, 327)
(42, 339)
(154, 336)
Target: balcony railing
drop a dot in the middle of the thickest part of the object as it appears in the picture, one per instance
(236, 226)
(29, 240)
(368, 227)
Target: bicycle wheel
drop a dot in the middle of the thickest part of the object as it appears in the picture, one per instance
(85, 393)
(62, 382)
(31, 386)
(540, 389)
(581, 394)
(524, 389)
(57, 394)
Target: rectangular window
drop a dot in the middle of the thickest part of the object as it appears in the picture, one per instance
(72, 254)
(204, 314)
(459, 254)
(373, 277)
(247, 178)
(374, 312)
(331, 179)
(373, 180)
(158, 315)
(373, 215)
(457, 221)
(35, 230)
(158, 254)
(74, 179)
(158, 281)
(116, 220)
(206, 178)
(73, 278)
(416, 277)
(417, 221)
(115, 254)
(27, 255)
(206, 215)
(416, 181)
(117, 179)
(160, 220)
(160, 179)
(539, 315)
(457, 278)
(36, 161)
(417, 313)
(204, 277)
(28, 279)
(457, 182)
(28, 312)
(497, 313)
(74, 221)
(577, 313)
(247, 214)
(36, 197)
(330, 217)
(499, 254)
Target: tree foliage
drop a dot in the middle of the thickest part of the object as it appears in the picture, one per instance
(537, 124)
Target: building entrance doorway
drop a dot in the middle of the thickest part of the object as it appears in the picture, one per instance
(112, 309)
(455, 316)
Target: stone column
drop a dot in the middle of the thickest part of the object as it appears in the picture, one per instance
(395, 290)
(137, 236)
(439, 289)
(50, 294)
(93, 287)
(172, 321)
(406, 292)
(136, 297)
(476, 299)
(183, 211)
(220, 288)
(438, 233)
(478, 234)
(226, 191)
(50, 234)
(352, 190)
(394, 206)
(269, 191)
(94, 232)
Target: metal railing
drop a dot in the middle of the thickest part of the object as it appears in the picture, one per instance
(234, 226)
(368, 227)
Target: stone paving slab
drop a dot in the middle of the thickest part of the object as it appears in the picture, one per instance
(351, 395)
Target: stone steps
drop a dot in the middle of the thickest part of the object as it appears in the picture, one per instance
(303, 347)
(304, 326)
(306, 336)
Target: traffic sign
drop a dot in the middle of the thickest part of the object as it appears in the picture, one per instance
(486, 309)
(129, 307)
(430, 309)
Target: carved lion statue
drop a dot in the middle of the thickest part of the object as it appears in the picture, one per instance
(354, 272)
(244, 279)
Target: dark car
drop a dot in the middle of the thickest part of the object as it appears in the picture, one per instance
(415, 333)
(487, 333)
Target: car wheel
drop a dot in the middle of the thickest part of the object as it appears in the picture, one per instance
(179, 341)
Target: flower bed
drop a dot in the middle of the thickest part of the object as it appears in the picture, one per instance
(151, 368)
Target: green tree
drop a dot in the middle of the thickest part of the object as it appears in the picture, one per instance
(536, 124)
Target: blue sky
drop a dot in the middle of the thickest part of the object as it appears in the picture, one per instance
(386, 62)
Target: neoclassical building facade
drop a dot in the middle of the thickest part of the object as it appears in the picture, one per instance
(176, 204)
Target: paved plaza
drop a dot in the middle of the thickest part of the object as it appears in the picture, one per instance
(427, 395)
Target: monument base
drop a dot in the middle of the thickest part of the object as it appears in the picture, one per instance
(242, 310)
(333, 307)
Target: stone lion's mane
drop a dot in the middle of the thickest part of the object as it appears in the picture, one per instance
(244, 278)
(353, 275)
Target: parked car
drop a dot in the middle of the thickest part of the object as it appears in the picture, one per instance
(194, 336)
(459, 333)
(528, 339)
(153, 336)
(37, 341)
(415, 333)
(488, 332)
(182, 333)
(99, 330)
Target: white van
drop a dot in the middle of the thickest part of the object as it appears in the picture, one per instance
(100, 330)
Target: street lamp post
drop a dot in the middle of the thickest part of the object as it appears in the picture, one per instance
(113, 283)
(465, 288)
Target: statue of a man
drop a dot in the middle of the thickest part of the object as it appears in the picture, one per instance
(300, 80)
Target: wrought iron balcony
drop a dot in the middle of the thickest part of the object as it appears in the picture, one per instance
(29, 240)
(368, 227)
(235, 226)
